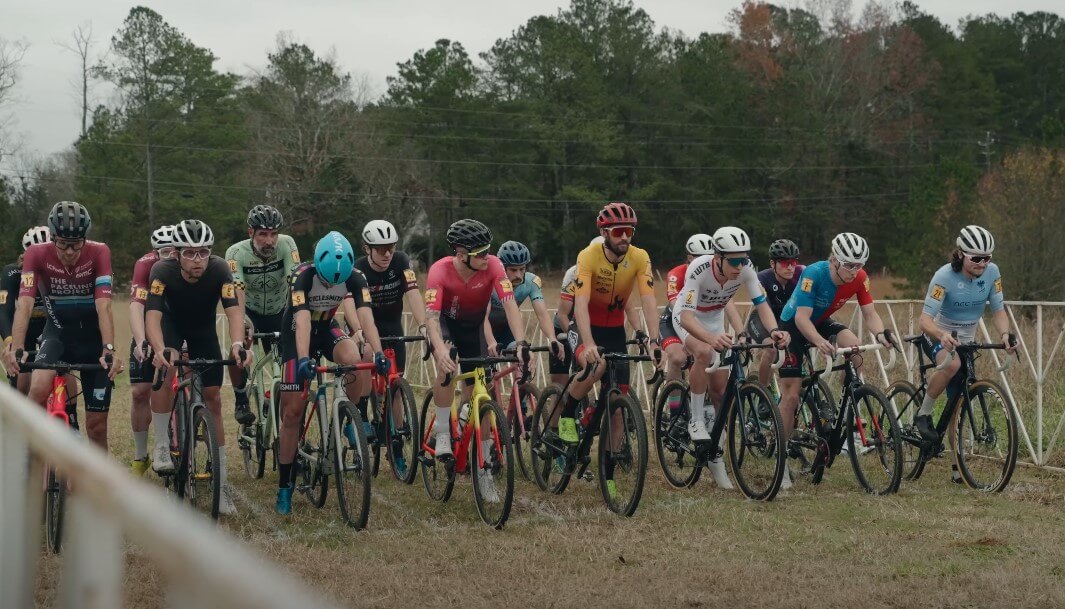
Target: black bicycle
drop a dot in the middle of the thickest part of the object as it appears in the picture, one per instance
(864, 421)
(755, 432)
(980, 422)
(392, 415)
(623, 437)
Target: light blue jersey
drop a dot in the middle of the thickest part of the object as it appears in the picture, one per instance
(529, 289)
(956, 302)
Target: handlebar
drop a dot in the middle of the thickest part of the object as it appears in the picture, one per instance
(63, 366)
(850, 351)
(266, 335)
(718, 359)
(967, 347)
(160, 373)
(507, 356)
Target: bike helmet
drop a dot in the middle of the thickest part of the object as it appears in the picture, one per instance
(699, 244)
(163, 237)
(37, 234)
(976, 240)
(264, 217)
(849, 247)
(192, 233)
(379, 232)
(616, 213)
(333, 258)
(731, 240)
(469, 234)
(69, 220)
(783, 249)
(597, 240)
(513, 253)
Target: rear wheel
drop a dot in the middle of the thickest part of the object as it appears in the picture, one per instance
(520, 434)
(54, 505)
(676, 454)
(986, 441)
(902, 395)
(756, 443)
(402, 436)
(622, 455)
(546, 456)
(204, 480)
(493, 470)
(313, 477)
(351, 460)
(439, 482)
(806, 444)
(252, 438)
(874, 439)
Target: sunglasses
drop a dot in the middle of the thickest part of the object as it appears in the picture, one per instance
(73, 246)
(618, 232)
(787, 263)
(738, 262)
(979, 259)
(851, 266)
(197, 254)
(481, 253)
(382, 250)
(166, 252)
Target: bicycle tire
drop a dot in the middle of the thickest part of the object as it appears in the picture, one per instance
(402, 440)
(756, 450)
(672, 443)
(178, 449)
(545, 473)
(807, 444)
(204, 479)
(903, 397)
(630, 458)
(877, 462)
(315, 478)
(522, 446)
(351, 467)
(987, 436)
(378, 425)
(499, 463)
(54, 510)
(438, 482)
(254, 452)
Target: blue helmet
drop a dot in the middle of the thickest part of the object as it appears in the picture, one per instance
(333, 258)
(513, 253)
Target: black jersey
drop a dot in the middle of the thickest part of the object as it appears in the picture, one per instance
(9, 288)
(388, 287)
(310, 293)
(186, 303)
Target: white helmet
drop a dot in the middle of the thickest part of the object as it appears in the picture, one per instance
(731, 240)
(976, 240)
(379, 232)
(849, 247)
(37, 234)
(193, 233)
(699, 245)
(597, 240)
(163, 237)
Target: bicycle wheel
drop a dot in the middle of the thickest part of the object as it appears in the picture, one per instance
(372, 413)
(402, 436)
(313, 476)
(204, 479)
(874, 439)
(547, 462)
(176, 482)
(350, 467)
(987, 439)
(522, 446)
(904, 399)
(807, 444)
(674, 447)
(493, 469)
(251, 437)
(55, 500)
(438, 481)
(756, 443)
(622, 455)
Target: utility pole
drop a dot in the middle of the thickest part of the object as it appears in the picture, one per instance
(985, 147)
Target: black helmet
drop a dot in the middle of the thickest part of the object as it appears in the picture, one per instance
(783, 249)
(264, 217)
(513, 253)
(469, 234)
(69, 220)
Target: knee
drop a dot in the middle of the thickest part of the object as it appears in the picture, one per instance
(139, 393)
(677, 356)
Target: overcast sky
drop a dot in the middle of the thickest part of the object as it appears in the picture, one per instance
(369, 36)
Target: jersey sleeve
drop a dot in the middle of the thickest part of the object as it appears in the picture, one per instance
(645, 279)
(301, 281)
(536, 287)
(358, 289)
(434, 288)
(803, 296)
(235, 267)
(754, 285)
(501, 286)
(410, 279)
(293, 253)
(688, 297)
(937, 292)
(864, 291)
(674, 281)
(996, 299)
(30, 275)
(103, 283)
(568, 287)
(229, 289)
(582, 283)
(138, 288)
(157, 283)
(8, 295)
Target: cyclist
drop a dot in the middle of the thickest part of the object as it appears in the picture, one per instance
(319, 288)
(72, 275)
(563, 324)
(515, 257)
(9, 288)
(261, 266)
(183, 294)
(698, 244)
(141, 370)
(954, 303)
(457, 292)
(778, 282)
(699, 322)
(824, 287)
(606, 276)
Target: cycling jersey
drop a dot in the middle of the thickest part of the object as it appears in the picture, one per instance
(956, 302)
(191, 305)
(465, 301)
(817, 291)
(608, 285)
(569, 281)
(310, 293)
(529, 289)
(388, 287)
(775, 294)
(264, 282)
(142, 269)
(9, 288)
(705, 296)
(69, 293)
(675, 281)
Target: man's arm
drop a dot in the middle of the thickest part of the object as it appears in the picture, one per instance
(153, 330)
(417, 306)
(732, 313)
(514, 320)
(106, 320)
(369, 328)
(547, 328)
(23, 310)
(302, 320)
(872, 320)
(565, 308)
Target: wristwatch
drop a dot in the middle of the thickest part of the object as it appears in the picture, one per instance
(109, 347)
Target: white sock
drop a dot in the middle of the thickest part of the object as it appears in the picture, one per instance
(697, 405)
(222, 465)
(443, 420)
(927, 405)
(140, 445)
(161, 423)
(486, 449)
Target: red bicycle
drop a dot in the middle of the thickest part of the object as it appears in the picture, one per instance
(393, 419)
(519, 407)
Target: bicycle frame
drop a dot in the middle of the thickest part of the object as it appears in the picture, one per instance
(472, 428)
(737, 376)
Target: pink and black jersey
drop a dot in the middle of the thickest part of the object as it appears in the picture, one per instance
(71, 292)
(142, 269)
(465, 301)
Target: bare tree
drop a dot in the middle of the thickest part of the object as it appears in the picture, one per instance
(11, 54)
(81, 45)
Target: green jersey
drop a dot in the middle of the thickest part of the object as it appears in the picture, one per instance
(265, 282)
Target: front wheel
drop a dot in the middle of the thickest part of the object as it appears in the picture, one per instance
(311, 455)
(545, 450)
(492, 469)
(204, 478)
(672, 443)
(438, 481)
(874, 439)
(756, 443)
(402, 436)
(622, 455)
(986, 441)
(520, 434)
(54, 506)
(251, 441)
(903, 397)
(351, 461)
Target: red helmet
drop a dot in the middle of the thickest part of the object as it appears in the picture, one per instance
(616, 213)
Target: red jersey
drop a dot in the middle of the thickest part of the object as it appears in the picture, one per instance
(675, 281)
(465, 301)
(142, 269)
(70, 292)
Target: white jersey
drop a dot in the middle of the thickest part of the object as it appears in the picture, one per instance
(703, 295)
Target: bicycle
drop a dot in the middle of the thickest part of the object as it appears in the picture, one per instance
(975, 433)
(555, 462)
(866, 422)
(755, 432)
(262, 435)
(193, 435)
(64, 407)
(393, 429)
(333, 442)
(520, 404)
(467, 439)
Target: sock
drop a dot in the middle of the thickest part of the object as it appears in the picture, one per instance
(608, 468)
(569, 409)
(222, 465)
(284, 477)
(140, 445)
(443, 420)
(696, 403)
(927, 406)
(161, 423)
(673, 401)
(486, 449)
